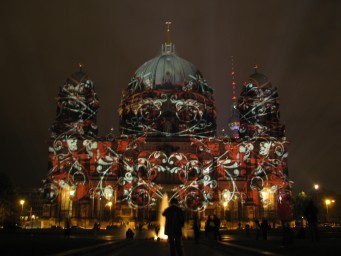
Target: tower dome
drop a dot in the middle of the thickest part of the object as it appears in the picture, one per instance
(260, 80)
(77, 106)
(258, 107)
(167, 96)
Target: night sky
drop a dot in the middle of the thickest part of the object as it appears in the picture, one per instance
(295, 43)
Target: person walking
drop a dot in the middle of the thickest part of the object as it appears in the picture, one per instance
(310, 213)
(130, 234)
(247, 230)
(67, 231)
(173, 229)
(96, 228)
(196, 228)
(264, 228)
(209, 228)
(257, 228)
(216, 221)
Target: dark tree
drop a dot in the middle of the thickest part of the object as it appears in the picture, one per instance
(300, 202)
(7, 201)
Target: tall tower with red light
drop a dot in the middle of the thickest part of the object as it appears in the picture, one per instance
(233, 122)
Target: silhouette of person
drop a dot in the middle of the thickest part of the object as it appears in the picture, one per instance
(196, 228)
(310, 213)
(173, 229)
(157, 230)
(129, 234)
(96, 227)
(264, 228)
(209, 228)
(257, 228)
(247, 230)
(67, 231)
(216, 221)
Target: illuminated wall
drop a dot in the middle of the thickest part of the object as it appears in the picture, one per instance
(168, 96)
(168, 143)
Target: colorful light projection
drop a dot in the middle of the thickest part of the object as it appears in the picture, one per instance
(98, 168)
(168, 97)
(258, 106)
(121, 167)
(93, 168)
(77, 106)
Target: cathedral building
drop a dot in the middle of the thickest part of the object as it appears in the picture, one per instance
(167, 146)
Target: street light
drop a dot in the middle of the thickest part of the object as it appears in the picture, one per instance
(225, 198)
(316, 193)
(72, 193)
(110, 204)
(328, 202)
(225, 205)
(32, 219)
(22, 202)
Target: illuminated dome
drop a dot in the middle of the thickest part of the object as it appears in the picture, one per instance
(259, 80)
(258, 106)
(77, 106)
(167, 71)
(167, 96)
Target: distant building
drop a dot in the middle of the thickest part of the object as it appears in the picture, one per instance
(167, 144)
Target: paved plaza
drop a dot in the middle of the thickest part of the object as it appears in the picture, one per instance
(105, 243)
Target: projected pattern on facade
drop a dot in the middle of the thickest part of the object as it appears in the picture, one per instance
(167, 104)
(132, 175)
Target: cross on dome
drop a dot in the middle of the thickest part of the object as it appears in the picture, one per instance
(256, 68)
(168, 47)
(168, 40)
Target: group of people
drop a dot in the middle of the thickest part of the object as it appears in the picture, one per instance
(261, 229)
(175, 221)
(212, 227)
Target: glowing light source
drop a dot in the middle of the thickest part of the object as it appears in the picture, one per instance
(109, 204)
(99, 160)
(22, 202)
(72, 192)
(328, 202)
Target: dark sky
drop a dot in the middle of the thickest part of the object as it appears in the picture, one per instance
(296, 43)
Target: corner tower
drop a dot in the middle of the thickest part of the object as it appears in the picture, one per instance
(77, 106)
(258, 106)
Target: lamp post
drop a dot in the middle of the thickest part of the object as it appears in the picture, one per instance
(72, 193)
(315, 194)
(92, 196)
(226, 195)
(22, 202)
(110, 205)
(225, 206)
(32, 220)
(328, 202)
